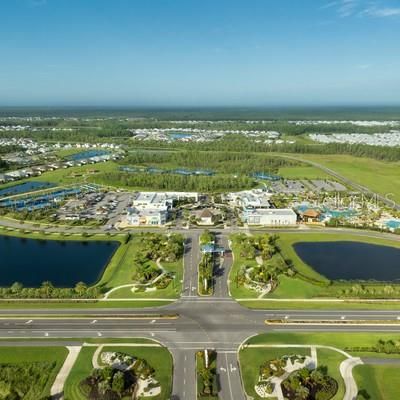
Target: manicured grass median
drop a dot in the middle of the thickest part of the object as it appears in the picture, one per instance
(377, 381)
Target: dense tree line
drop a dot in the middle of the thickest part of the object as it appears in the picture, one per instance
(218, 161)
(48, 291)
(174, 182)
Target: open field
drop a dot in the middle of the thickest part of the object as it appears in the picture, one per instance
(379, 176)
(302, 172)
(20, 356)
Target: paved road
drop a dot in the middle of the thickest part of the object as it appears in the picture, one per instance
(221, 272)
(215, 322)
(191, 261)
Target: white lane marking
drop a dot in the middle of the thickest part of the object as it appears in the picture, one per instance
(229, 378)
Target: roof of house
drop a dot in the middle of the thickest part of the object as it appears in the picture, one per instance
(206, 213)
(311, 213)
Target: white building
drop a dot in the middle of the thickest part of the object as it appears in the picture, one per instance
(270, 217)
(160, 199)
(255, 198)
(137, 217)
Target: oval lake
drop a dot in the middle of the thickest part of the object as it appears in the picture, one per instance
(64, 263)
(348, 260)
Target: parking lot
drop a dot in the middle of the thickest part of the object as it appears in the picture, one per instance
(101, 206)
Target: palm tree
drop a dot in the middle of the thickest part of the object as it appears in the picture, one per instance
(47, 287)
(302, 393)
(80, 288)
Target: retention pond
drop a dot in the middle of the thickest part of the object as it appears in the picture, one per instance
(63, 263)
(346, 260)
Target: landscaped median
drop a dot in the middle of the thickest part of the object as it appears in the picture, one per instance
(206, 372)
(206, 265)
(268, 273)
(277, 364)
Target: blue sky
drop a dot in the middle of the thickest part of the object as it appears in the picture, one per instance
(199, 52)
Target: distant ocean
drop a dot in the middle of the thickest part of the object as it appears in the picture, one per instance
(212, 113)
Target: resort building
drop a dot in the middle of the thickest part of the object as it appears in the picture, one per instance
(311, 216)
(206, 217)
(270, 217)
(256, 198)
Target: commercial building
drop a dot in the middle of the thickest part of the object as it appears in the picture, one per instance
(138, 217)
(270, 217)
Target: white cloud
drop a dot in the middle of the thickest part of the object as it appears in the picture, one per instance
(382, 12)
(349, 8)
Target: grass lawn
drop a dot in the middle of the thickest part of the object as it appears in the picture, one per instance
(379, 176)
(134, 304)
(299, 305)
(332, 360)
(378, 381)
(121, 270)
(295, 288)
(340, 341)
(75, 175)
(17, 355)
(157, 357)
(81, 369)
(302, 172)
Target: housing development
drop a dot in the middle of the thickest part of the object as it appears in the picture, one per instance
(157, 266)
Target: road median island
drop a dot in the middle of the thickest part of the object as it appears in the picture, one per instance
(333, 322)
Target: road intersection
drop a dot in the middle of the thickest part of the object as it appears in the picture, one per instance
(192, 323)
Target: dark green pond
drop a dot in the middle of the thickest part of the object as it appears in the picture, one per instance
(351, 260)
(64, 263)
